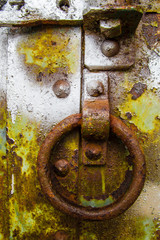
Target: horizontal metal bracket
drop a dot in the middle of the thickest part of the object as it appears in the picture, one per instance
(76, 13)
(94, 58)
(129, 17)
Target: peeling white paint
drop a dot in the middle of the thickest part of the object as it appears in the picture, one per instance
(154, 66)
(44, 9)
(37, 100)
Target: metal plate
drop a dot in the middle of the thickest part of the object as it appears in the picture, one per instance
(94, 59)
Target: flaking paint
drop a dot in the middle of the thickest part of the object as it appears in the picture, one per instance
(51, 50)
(139, 228)
(31, 215)
(145, 111)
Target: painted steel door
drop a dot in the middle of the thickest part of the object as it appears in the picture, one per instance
(41, 84)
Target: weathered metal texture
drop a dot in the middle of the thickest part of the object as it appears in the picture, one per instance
(37, 58)
(61, 235)
(33, 12)
(95, 124)
(94, 134)
(4, 211)
(111, 28)
(45, 12)
(110, 211)
(96, 60)
(129, 17)
(142, 220)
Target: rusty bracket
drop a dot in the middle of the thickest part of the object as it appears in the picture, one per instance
(64, 12)
(128, 16)
(109, 37)
(95, 118)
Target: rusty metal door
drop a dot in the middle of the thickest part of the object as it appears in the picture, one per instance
(79, 118)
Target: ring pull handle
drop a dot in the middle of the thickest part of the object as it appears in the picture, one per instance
(73, 208)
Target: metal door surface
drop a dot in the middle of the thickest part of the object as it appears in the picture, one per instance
(46, 60)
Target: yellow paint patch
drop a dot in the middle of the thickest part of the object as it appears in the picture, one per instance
(51, 49)
(1, 237)
(26, 145)
(145, 111)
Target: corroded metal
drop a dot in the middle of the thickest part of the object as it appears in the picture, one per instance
(27, 203)
(111, 28)
(61, 235)
(129, 17)
(127, 136)
(110, 48)
(37, 59)
(93, 151)
(34, 64)
(61, 167)
(94, 59)
(95, 122)
(61, 88)
(95, 88)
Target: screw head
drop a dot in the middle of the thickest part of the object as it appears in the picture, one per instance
(61, 88)
(95, 88)
(61, 168)
(110, 48)
(93, 151)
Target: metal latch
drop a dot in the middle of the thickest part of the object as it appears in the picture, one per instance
(108, 45)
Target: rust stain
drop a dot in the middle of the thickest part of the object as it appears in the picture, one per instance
(151, 28)
(123, 132)
(137, 90)
(4, 212)
(145, 111)
(50, 50)
(31, 215)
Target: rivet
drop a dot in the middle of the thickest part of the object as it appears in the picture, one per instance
(64, 5)
(95, 88)
(61, 235)
(93, 151)
(61, 168)
(61, 88)
(110, 48)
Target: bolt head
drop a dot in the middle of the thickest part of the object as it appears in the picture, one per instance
(110, 48)
(111, 28)
(95, 88)
(61, 235)
(93, 151)
(61, 168)
(61, 88)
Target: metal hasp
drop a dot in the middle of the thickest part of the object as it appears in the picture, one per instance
(108, 45)
(110, 32)
(75, 209)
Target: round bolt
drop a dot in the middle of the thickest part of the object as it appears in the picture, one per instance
(110, 48)
(61, 235)
(61, 88)
(62, 168)
(93, 151)
(64, 5)
(95, 88)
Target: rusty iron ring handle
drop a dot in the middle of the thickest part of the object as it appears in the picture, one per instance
(113, 210)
